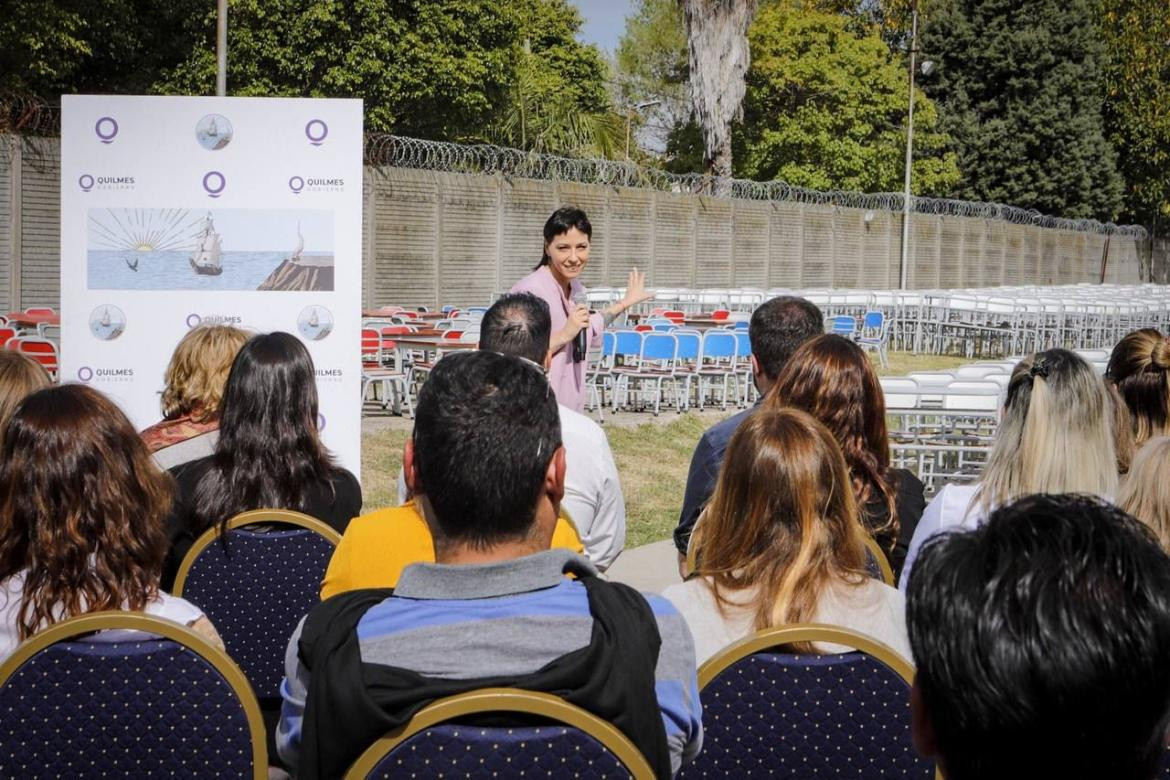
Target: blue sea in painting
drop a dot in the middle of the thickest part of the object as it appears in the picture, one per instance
(111, 270)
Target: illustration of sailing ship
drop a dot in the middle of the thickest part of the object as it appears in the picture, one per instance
(206, 259)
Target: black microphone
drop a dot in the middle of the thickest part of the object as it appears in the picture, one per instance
(579, 341)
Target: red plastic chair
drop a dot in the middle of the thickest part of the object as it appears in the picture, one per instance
(643, 328)
(6, 334)
(674, 315)
(720, 314)
(41, 350)
(40, 310)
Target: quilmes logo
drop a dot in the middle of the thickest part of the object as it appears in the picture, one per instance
(106, 129)
(214, 183)
(299, 184)
(88, 182)
(316, 131)
(195, 320)
(105, 374)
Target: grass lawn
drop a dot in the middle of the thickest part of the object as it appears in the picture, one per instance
(652, 459)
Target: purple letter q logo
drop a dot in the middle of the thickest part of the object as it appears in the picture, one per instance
(320, 422)
(106, 128)
(193, 320)
(85, 181)
(296, 184)
(315, 131)
(214, 183)
(85, 373)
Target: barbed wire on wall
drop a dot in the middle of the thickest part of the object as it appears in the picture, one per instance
(29, 115)
(384, 150)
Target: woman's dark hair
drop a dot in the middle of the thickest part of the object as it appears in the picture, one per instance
(563, 220)
(269, 454)
(82, 507)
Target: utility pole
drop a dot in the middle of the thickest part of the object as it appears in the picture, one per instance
(221, 49)
(906, 210)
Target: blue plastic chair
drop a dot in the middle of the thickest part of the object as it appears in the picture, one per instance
(743, 354)
(162, 702)
(875, 335)
(656, 364)
(718, 362)
(690, 349)
(843, 325)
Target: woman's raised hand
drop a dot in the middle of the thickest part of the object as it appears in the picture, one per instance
(636, 291)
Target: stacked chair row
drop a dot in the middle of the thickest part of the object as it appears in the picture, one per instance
(942, 423)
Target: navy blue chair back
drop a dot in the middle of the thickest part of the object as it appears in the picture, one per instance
(450, 750)
(768, 713)
(143, 707)
(438, 742)
(256, 585)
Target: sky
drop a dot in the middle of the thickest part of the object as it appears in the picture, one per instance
(605, 20)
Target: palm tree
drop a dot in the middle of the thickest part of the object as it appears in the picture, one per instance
(719, 58)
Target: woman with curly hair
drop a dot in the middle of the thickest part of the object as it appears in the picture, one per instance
(780, 542)
(81, 518)
(194, 389)
(832, 379)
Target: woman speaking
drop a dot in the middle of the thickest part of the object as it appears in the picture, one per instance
(556, 281)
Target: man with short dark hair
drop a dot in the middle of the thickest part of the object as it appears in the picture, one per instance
(486, 464)
(519, 324)
(1042, 644)
(777, 328)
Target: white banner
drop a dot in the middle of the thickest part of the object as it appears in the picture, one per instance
(177, 211)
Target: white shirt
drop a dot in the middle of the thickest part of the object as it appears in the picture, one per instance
(165, 606)
(951, 509)
(871, 608)
(593, 492)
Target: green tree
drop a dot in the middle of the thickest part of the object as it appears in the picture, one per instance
(444, 69)
(1021, 86)
(1137, 102)
(54, 47)
(826, 108)
(651, 65)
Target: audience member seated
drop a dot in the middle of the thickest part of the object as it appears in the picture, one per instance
(1145, 492)
(780, 542)
(487, 466)
(777, 328)
(1055, 436)
(1041, 641)
(1140, 370)
(81, 518)
(19, 376)
(378, 545)
(268, 456)
(832, 379)
(194, 388)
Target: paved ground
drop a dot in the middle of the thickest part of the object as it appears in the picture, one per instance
(649, 568)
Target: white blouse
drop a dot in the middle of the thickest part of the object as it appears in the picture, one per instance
(165, 606)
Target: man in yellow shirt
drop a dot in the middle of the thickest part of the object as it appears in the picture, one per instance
(377, 546)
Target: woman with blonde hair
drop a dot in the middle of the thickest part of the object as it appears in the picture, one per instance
(1139, 368)
(20, 376)
(81, 518)
(1145, 493)
(831, 378)
(194, 380)
(1056, 436)
(780, 542)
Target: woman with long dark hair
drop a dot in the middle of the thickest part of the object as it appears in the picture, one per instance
(269, 455)
(780, 542)
(832, 379)
(556, 281)
(82, 511)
